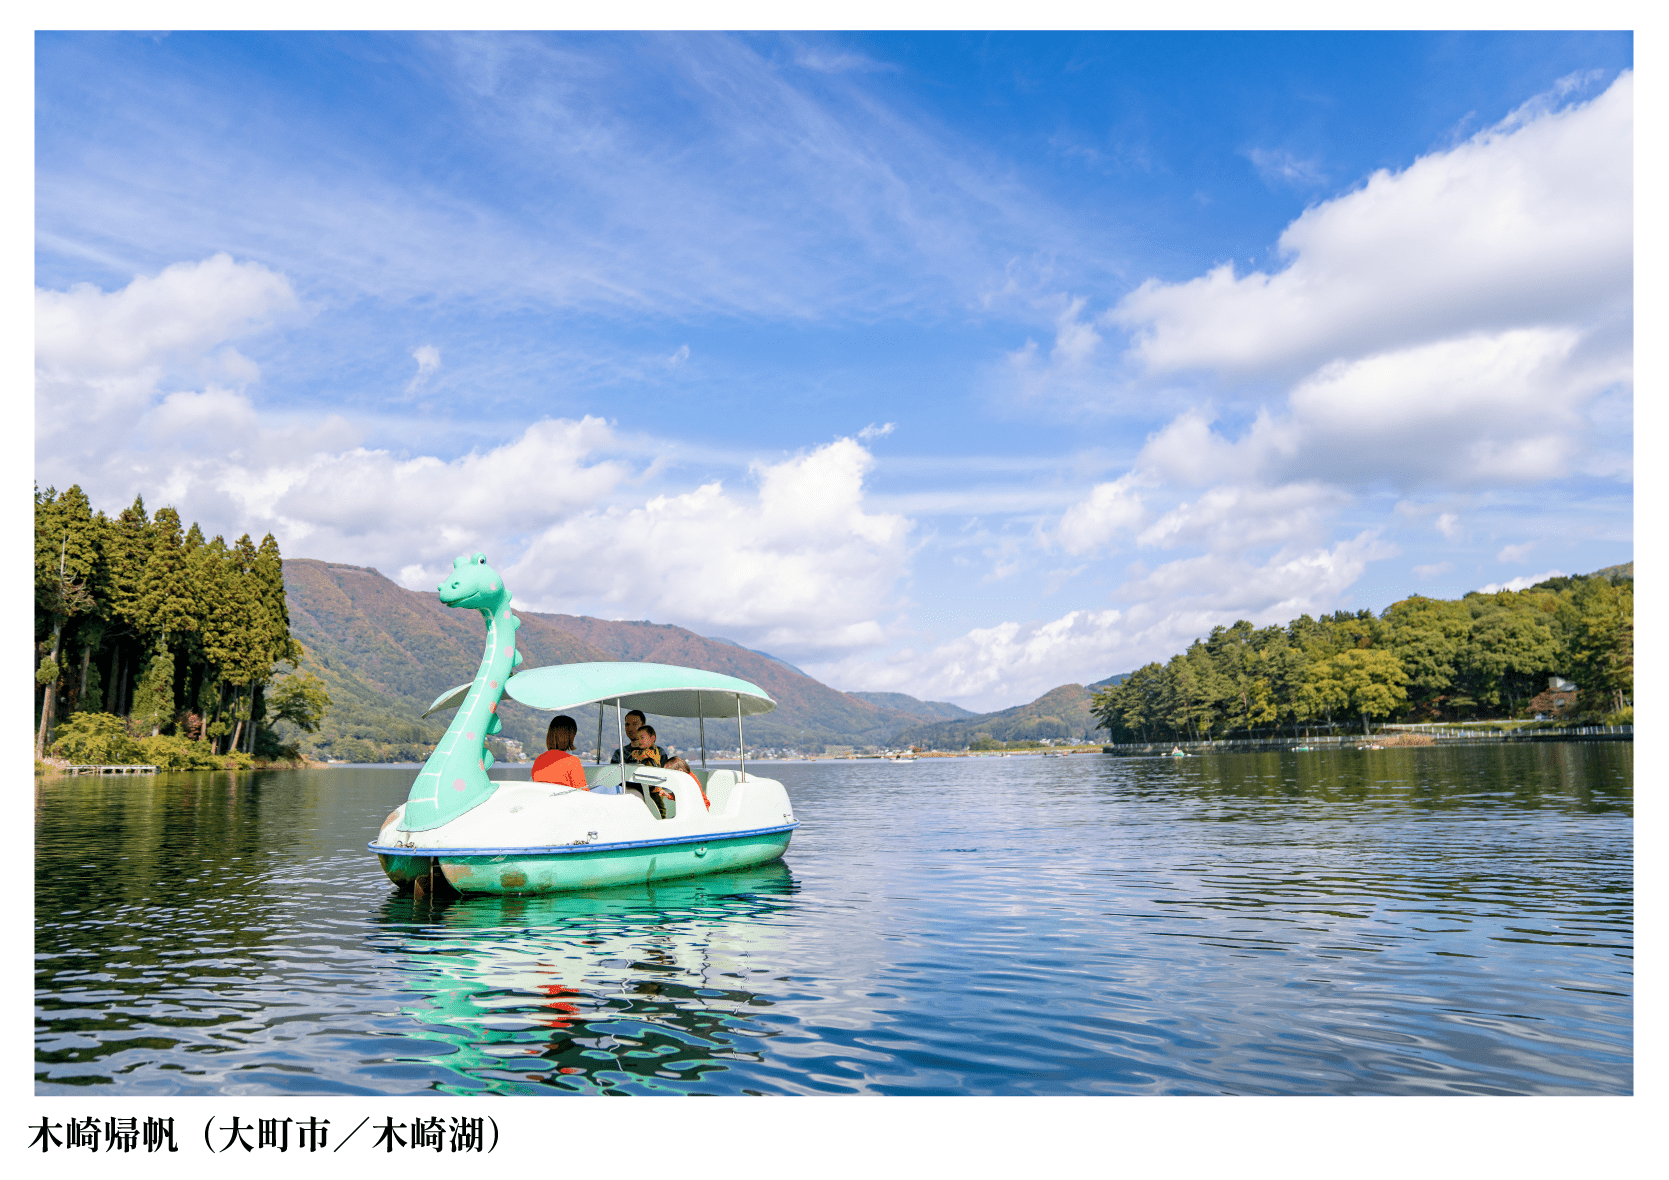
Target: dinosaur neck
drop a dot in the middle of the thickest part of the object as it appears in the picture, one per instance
(454, 779)
(484, 694)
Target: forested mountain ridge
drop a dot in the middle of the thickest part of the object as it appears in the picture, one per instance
(1481, 656)
(926, 710)
(1061, 714)
(385, 652)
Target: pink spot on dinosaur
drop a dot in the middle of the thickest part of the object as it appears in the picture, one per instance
(492, 684)
(469, 735)
(506, 650)
(492, 585)
(493, 708)
(457, 784)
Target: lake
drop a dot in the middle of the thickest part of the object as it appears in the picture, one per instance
(1448, 920)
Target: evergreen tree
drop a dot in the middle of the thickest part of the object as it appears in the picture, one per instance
(140, 616)
(66, 558)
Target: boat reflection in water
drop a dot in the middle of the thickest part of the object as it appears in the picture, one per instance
(638, 989)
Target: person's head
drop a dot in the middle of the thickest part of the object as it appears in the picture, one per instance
(634, 721)
(560, 735)
(645, 737)
(678, 764)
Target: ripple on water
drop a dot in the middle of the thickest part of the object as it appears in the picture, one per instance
(1449, 921)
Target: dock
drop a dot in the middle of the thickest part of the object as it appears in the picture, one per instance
(107, 770)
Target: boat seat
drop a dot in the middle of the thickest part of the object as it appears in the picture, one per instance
(641, 790)
(719, 785)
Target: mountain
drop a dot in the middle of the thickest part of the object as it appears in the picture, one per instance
(386, 652)
(925, 710)
(809, 713)
(1062, 712)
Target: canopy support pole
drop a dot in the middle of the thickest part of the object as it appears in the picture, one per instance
(599, 733)
(620, 720)
(741, 747)
(703, 721)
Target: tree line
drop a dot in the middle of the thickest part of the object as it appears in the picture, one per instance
(1423, 659)
(156, 645)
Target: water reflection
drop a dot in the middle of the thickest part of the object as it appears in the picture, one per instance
(1397, 921)
(636, 990)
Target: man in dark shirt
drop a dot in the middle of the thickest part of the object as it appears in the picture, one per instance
(631, 723)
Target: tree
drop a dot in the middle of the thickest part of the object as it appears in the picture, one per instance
(300, 699)
(1510, 648)
(1368, 682)
(153, 690)
(1430, 637)
(1600, 625)
(141, 617)
(96, 739)
(66, 556)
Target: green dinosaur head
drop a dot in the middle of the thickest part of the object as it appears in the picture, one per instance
(474, 583)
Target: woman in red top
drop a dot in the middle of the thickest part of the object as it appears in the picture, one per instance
(558, 764)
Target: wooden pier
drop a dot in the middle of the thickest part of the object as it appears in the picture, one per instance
(108, 770)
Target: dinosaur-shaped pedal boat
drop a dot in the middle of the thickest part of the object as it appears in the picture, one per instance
(461, 830)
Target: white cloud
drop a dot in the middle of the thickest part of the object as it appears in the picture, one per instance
(106, 422)
(1449, 525)
(873, 431)
(427, 357)
(1530, 222)
(354, 495)
(677, 359)
(994, 667)
(101, 357)
(1515, 553)
(799, 566)
(1523, 583)
(1093, 521)
(1431, 571)
(1074, 369)
(1232, 517)
(1481, 409)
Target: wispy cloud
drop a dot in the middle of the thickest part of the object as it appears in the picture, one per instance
(427, 357)
(1285, 168)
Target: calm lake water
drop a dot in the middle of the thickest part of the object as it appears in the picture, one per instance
(1414, 921)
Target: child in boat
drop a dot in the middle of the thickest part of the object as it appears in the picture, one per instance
(676, 763)
(644, 751)
(558, 763)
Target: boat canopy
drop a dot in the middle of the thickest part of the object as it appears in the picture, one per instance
(664, 690)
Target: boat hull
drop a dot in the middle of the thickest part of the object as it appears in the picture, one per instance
(561, 870)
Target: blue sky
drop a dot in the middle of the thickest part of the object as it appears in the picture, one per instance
(961, 365)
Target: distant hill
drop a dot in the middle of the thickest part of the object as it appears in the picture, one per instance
(385, 652)
(1062, 712)
(808, 714)
(926, 710)
(1109, 682)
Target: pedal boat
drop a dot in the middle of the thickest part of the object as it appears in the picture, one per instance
(460, 831)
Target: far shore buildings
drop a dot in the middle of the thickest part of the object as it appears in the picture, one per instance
(1559, 697)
